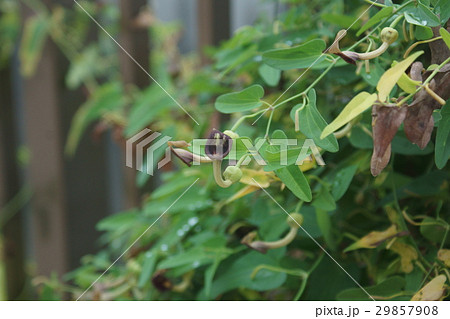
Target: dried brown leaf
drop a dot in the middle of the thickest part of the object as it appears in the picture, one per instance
(386, 120)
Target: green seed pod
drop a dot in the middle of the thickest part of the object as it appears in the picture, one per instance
(388, 35)
(233, 174)
(231, 134)
(295, 220)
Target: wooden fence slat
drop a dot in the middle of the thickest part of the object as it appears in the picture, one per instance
(136, 42)
(11, 232)
(213, 19)
(44, 139)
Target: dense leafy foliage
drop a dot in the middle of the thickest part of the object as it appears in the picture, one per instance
(389, 232)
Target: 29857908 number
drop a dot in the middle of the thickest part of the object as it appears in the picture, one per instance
(406, 310)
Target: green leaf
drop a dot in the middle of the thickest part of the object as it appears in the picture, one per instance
(298, 57)
(445, 36)
(401, 145)
(433, 230)
(118, 221)
(148, 266)
(325, 226)
(270, 75)
(442, 7)
(361, 138)
(324, 201)
(274, 154)
(239, 274)
(148, 105)
(241, 101)
(421, 15)
(245, 55)
(342, 181)
(326, 275)
(387, 288)
(197, 256)
(341, 20)
(423, 33)
(273, 157)
(380, 15)
(311, 123)
(83, 67)
(442, 150)
(209, 276)
(109, 97)
(33, 40)
(356, 106)
(391, 76)
(297, 183)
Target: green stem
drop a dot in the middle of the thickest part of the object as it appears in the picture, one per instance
(243, 118)
(298, 206)
(302, 288)
(242, 159)
(217, 171)
(396, 20)
(286, 240)
(267, 103)
(320, 77)
(403, 5)
(269, 122)
(376, 4)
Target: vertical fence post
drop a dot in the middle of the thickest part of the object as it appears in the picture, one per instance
(11, 241)
(136, 41)
(213, 27)
(213, 22)
(44, 139)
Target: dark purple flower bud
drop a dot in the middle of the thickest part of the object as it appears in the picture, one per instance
(218, 145)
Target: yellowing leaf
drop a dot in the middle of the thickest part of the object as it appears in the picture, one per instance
(431, 291)
(356, 106)
(391, 76)
(263, 178)
(444, 255)
(308, 163)
(407, 254)
(373, 239)
(241, 193)
(406, 83)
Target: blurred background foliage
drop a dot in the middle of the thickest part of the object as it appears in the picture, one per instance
(194, 251)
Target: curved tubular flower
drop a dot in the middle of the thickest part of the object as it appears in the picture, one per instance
(294, 221)
(387, 36)
(217, 147)
(188, 157)
(217, 171)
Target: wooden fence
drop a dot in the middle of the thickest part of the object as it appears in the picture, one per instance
(70, 195)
